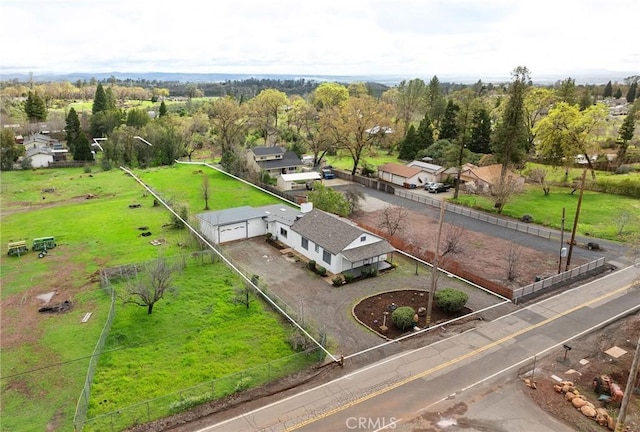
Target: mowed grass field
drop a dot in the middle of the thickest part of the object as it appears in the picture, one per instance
(45, 356)
(600, 213)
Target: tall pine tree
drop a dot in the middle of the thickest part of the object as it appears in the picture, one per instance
(625, 134)
(631, 94)
(99, 100)
(424, 134)
(72, 129)
(511, 133)
(82, 148)
(163, 109)
(608, 90)
(449, 126)
(480, 140)
(35, 108)
(408, 146)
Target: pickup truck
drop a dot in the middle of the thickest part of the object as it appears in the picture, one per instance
(327, 174)
(438, 187)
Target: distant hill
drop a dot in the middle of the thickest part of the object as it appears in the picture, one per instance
(596, 76)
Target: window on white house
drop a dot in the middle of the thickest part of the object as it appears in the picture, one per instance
(317, 249)
(305, 243)
(326, 257)
(283, 232)
(363, 238)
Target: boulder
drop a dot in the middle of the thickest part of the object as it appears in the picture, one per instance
(569, 396)
(588, 411)
(578, 402)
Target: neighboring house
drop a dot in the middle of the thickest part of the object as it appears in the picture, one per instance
(297, 180)
(333, 242)
(434, 173)
(41, 157)
(402, 175)
(43, 141)
(483, 178)
(273, 160)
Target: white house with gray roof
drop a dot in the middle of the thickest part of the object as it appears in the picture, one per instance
(332, 242)
(273, 160)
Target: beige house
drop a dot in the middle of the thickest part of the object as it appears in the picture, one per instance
(481, 179)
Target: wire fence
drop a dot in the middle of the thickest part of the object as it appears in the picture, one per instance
(216, 389)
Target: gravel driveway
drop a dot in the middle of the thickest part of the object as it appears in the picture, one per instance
(327, 307)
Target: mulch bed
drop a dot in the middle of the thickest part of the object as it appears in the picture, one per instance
(370, 311)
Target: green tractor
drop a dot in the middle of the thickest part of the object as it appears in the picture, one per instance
(44, 243)
(17, 248)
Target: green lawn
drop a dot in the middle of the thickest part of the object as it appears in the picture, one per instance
(374, 157)
(45, 357)
(599, 213)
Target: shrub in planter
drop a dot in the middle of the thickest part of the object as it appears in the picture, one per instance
(348, 277)
(451, 300)
(402, 317)
(311, 265)
(321, 270)
(373, 271)
(337, 281)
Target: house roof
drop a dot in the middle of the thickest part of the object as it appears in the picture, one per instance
(326, 230)
(311, 175)
(368, 251)
(490, 173)
(399, 169)
(268, 150)
(280, 212)
(289, 159)
(430, 168)
(31, 152)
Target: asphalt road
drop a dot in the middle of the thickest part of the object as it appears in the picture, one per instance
(404, 392)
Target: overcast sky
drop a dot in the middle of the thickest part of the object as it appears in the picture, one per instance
(410, 38)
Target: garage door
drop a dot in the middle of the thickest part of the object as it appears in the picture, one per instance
(236, 231)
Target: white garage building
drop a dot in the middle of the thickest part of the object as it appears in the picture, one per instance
(243, 222)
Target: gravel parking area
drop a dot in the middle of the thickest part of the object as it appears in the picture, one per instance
(330, 308)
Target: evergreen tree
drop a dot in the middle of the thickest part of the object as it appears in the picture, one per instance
(163, 109)
(585, 100)
(82, 148)
(511, 133)
(72, 129)
(424, 137)
(449, 127)
(608, 90)
(99, 100)
(631, 94)
(35, 108)
(480, 141)
(111, 99)
(618, 93)
(625, 134)
(408, 148)
(137, 118)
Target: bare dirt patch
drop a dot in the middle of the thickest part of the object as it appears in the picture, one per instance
(482, 254)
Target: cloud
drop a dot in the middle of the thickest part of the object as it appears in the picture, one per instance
(337, 37)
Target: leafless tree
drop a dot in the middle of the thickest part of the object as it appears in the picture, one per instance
(453, 240)
(394, 219)
(205, 191)
(502, 191)
(621, 220)
(539, 176)
(353, 197)
(513, 262)
(153, 284)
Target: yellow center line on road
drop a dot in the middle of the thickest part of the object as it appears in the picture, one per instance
(455, 360)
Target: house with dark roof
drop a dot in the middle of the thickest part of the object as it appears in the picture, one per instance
(332, 242)
(273, 160)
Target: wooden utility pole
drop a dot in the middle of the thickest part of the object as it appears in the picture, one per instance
(434, 269)
(561, 242)
(575, 222)
(628, 391)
